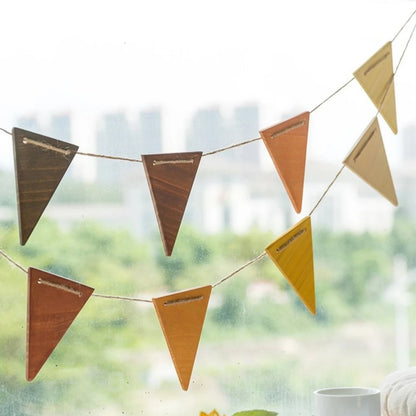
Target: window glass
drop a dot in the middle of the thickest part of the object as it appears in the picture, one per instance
(127, 80)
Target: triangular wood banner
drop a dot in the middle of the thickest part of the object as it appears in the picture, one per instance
(53, 304)
(377, 79)
(287, 143)
(40, 164)
(170, 177)
(292, 253)
(181, 316)
(368, 160)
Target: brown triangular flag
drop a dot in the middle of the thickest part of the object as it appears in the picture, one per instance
(181, 316)
(40, 164)
(369, 161)
(53, 304)
(292, 253)
(170, 177)
(287, 143)
(376, 77)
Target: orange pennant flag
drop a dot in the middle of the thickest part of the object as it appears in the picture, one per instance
(292, 253)
(170, 177)
(376, 77)
(53, 304)
(181, 316)
(287, 143)
(40, 164)
(368, 160)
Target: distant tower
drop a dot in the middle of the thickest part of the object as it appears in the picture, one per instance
(114, 138)
(409, 143)
(30, 123)
(207, 131)
(150, 132)
(245, 126)
(60, 127)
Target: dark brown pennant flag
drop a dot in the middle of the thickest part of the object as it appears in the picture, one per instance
(181, 316)
(40, 164)
(170, 177)
(53, 304)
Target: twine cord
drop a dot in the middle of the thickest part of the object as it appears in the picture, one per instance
(65, 288)
(241, 268)
(125, 159)
(326, 190)
(11, 261)
(121, 298)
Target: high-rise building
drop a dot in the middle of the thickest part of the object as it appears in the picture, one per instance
(150, 131)
(244, 127)
(60, 127)
(114, 138)
(208, 130)
(30, 123)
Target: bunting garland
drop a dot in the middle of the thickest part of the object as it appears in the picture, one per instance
(54, 302)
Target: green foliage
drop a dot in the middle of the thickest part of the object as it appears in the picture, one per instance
(111, 343)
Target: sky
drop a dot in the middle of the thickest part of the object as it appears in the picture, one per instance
(90, 57)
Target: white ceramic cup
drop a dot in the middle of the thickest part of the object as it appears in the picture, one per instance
(347, 401)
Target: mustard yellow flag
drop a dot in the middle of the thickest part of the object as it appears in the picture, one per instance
(292, 253)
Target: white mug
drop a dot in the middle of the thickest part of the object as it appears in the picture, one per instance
(347, 401)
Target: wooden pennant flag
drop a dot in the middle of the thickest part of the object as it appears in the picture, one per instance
(287, 143)
(181, 316)
(376, 77)
(292, 253)
(368, 160)
(53, 304)
(170, 177)
(40, 164)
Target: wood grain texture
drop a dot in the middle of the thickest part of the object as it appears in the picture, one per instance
(286, 143)
(181, 316)
(368, 160)
(38, 172)
(170, 177)
(53, 304)
(292, 253)
(376, 77)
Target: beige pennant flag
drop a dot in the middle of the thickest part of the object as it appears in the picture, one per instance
(368, 160)
(292, 253)
(181, 316)
(287, 143)
(376, 77)
(170, 177)
(53, 304)
(40, 164)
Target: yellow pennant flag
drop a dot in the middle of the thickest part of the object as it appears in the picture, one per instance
(181, 316)
(292, 253)
(368, 160)
(377, 79)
